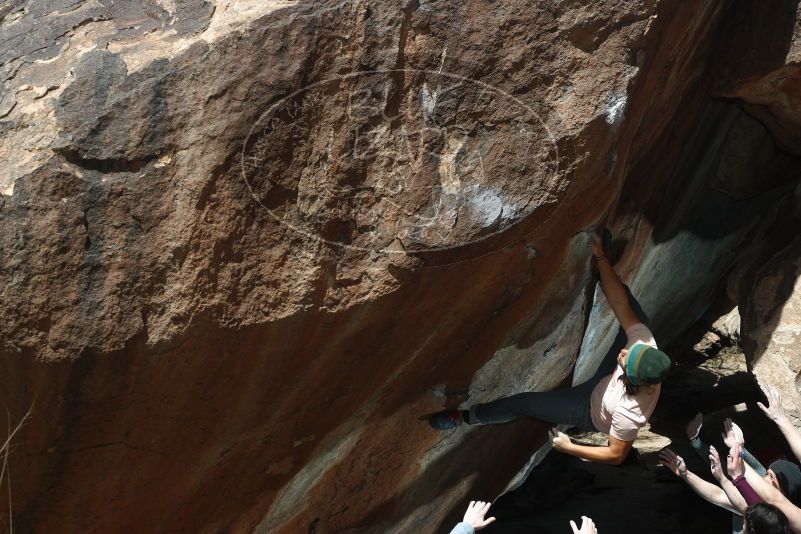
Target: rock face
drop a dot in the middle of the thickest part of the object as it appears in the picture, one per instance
(772, 322)
(245, 245)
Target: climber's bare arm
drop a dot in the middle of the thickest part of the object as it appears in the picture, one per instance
(613, 287)
(614, 453)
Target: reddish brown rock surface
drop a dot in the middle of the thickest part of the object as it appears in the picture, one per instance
(244, 246)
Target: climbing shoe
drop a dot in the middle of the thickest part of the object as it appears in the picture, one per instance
(445, 419)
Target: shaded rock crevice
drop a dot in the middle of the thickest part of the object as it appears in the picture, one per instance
(106, 166)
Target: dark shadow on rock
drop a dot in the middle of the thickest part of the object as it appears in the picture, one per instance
(689, 390)
(551, 483)
(485, 455)
(778, 266)
(627, 498)
(723, 176)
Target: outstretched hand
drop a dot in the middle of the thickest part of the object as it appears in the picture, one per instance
(587, 526)
(714, 464)
(694, 426)
(732, 434)
(774, 411)
(734, 462)
(474, 516)
(673, 462)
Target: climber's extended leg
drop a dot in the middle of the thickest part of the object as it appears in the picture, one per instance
(569, 406)
(565, 406)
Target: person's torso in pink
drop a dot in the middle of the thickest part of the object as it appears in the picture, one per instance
(613, 411)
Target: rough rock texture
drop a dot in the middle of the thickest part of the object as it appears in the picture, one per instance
(765, 283)
(771, 322)
(763, 68)
(245, 245)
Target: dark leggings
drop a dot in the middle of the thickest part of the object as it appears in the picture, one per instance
(569, 406)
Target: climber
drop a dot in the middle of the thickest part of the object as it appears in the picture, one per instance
(618, 400)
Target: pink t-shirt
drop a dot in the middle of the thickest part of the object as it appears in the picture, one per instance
(613, 411)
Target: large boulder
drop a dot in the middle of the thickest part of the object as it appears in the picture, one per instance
(767, 283)
(244, 246)
(763, 74)
(774, 319)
